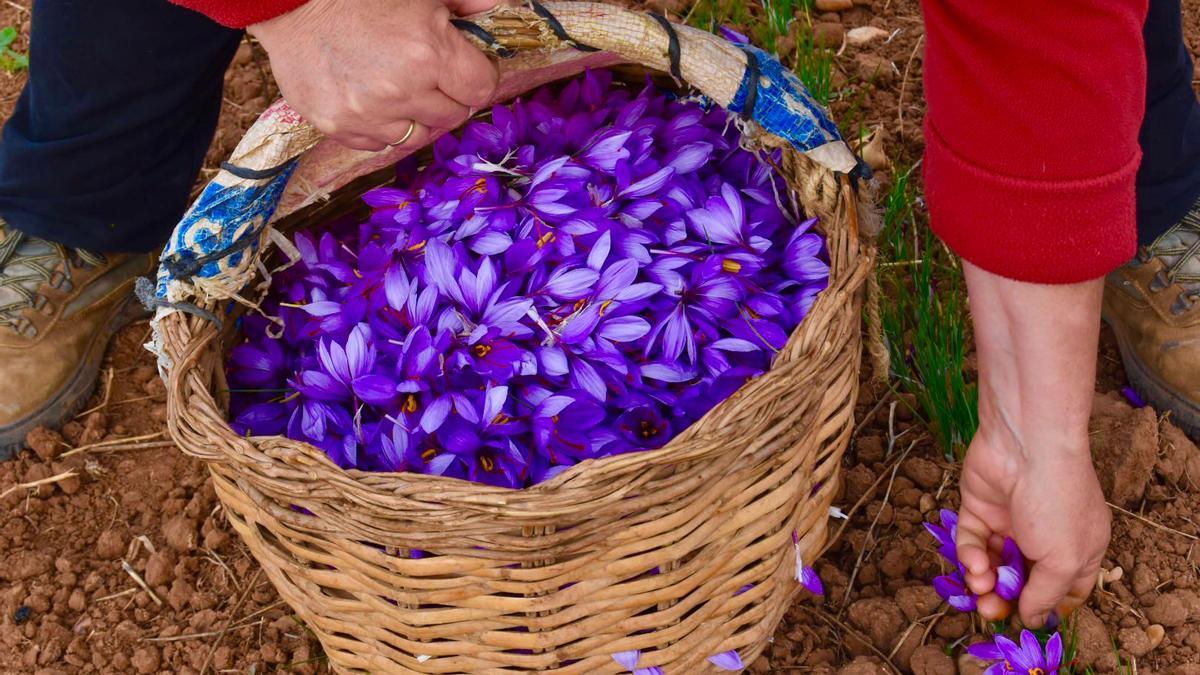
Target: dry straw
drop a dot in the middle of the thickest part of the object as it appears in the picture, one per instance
(643, 551)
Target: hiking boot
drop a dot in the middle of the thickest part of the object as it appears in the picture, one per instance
(58, 308)
(1153, 306)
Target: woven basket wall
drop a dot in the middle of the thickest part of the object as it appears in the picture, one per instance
(641, 551)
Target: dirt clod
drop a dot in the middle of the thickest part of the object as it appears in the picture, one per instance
(931, 660)
(879, 619)
(1169, 610)
(110, 545)
(1125, 447)
(45, 443)
(180, 533)
(863, 665)
(1134, 641)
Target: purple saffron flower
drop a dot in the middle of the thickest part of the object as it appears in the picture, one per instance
(727, 661)
(953, 589)
(806, 575)
(1010, 576)
(347, 373)
(1135, 399)
(1027, 658)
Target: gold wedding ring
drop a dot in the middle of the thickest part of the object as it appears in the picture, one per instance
(412, 126)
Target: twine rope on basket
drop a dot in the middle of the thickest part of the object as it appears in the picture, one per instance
(681, 552)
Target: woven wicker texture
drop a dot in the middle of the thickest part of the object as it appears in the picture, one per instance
(642, 551)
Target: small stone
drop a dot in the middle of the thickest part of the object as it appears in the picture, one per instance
(875, 69)
(23, 565)
(927, 503)
(1155, 633)
(931, 660)
(110, 545)
(77, 601)
(864, 34)
(869, 449)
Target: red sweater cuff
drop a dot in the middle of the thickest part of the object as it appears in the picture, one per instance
(1049, 232)
(240, 13)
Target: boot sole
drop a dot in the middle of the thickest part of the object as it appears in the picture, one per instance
(71, 398)
(1184, 413)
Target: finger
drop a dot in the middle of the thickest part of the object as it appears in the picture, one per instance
(436, 110)
(993, 607)
(972, 546)
(467, 76)
(1049, 585)
(397, 135)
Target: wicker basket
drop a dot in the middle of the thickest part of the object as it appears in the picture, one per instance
(651, 551)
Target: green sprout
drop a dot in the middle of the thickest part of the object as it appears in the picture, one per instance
(10, 59)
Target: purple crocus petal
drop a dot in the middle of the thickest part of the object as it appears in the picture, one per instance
(1001, 668)
(624, 329)
(320, 385)
(688, 158)
(1010, 650)
(1031, 652)
(986, 651)
(553, 361)
(727, 661)
(639, 291)
(435, 415)
(442, 269)
(811, 582)
(374, 389)
(667, 372)
(732, 35)
(323, 308)
(491, 243)
(629, 659)
(1008, 583)
(616, 277)
(1135, 399)
(440, 464)
(963, 603)
(649, 185)
(493, 403)
(584, 376)
(652, 670)
(1054, 652)
(571, 285)
(949, 518)
(580, 326)
(607, 150)
(600, 251)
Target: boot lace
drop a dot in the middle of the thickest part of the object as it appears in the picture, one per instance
(1179, 249)
(27, 264)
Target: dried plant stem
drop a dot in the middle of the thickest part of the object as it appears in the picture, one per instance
(141, 582)
(37, 483)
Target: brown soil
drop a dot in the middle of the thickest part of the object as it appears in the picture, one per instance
(74, 549)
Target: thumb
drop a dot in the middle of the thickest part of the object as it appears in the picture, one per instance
(1052, 587)
(469, 7)
(468, 75)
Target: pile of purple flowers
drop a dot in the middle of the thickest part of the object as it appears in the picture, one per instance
(585, 274)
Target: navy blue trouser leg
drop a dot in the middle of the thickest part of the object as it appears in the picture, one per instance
(1168, 182)
(112, 128)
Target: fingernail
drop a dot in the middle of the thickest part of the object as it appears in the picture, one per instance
(1039, 621)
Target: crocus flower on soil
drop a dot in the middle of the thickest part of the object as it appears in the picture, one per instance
(1027, 658)
(952, 587)
(586, 273)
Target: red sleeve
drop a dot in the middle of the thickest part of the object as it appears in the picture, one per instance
(241, 13)
(1032, 133)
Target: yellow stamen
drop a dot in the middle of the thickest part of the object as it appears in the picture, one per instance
(545, 239)
(604, 306)
(501, 418)
(487, 463)
(410, 403)
(731, 266)
(429, 454)
(417, 246)
(481, 350)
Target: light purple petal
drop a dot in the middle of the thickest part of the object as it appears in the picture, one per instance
(1031, 651)
(986, 651)
(1054, 652)
(584, 376)
(650, 184)
(628, 660)
(1008, 583)
(624, 328)
(435, 415)
(571, 284)
(727, 660)
(810, 581)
